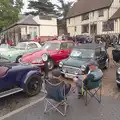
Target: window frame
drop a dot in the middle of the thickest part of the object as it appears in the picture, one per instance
(101, 13)
(85, 16)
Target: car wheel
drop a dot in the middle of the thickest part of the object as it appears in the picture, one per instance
(50, 64)
(18, 58)
(118, 85)
(33, 85)
(107, 64)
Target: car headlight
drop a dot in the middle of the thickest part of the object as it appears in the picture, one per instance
(118, 71)
(83, 67)
(45, 57)
(76, 72)
(38, 60)
(60, 64)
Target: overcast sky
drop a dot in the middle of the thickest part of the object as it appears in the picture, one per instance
(27, 1)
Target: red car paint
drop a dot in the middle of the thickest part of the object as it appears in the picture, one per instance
(55, 54)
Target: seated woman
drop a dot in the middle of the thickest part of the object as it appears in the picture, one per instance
(92, 72)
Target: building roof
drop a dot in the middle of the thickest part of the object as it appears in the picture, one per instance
(116, 15)
(85, 6)
(28, 20)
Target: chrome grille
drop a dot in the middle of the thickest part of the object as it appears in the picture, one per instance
(70, 70)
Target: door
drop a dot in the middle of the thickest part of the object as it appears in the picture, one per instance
(65, 50)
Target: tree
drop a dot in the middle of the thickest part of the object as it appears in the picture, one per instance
(9, 12)
(41, 6)
(61, 12)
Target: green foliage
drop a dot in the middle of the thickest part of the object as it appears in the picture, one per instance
(9, 11)
(41, 6)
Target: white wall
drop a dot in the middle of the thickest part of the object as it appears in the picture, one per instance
(108, 12)
(47, 27)
(48, 30)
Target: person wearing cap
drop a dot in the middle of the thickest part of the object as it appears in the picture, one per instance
(57, 79)
(91, 72)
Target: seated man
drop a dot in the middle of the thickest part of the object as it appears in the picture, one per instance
(91, 73)
(57, 79)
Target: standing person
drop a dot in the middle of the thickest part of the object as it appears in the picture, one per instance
(91, 72)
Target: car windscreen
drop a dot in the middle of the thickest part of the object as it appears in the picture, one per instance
(82, 53)
(21, 46)
(51, 46)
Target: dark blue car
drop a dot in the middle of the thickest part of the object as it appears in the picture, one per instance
(19, 77)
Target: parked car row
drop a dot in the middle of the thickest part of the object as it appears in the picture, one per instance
(26, 75)
(15, 53)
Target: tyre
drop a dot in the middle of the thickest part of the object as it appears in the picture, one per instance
(51, 64)
(118, 85)
(17, 59)
(33, 85)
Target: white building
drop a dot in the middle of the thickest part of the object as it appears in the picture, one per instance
(32, 26)
(93, 17)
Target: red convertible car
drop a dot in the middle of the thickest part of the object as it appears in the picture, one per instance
(57, 50)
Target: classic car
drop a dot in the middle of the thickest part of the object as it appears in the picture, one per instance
(14, 54)
(116, 53)
(5, 48)
(16, 77)
(57, 50)
(81, 56)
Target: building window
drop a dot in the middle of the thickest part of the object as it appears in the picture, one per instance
(45, 17)
(108, 26)
(75, 28)
(101, 13)
(69, 21)
(92, 14)
(85, 16)
(85, 28)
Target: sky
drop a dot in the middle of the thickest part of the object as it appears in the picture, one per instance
(27, 1)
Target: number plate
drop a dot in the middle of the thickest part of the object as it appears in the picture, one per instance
(69, 76)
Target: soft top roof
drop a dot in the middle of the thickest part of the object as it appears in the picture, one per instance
(88, 46)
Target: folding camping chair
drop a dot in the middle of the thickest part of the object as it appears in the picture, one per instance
(91, 88)
(57, 93)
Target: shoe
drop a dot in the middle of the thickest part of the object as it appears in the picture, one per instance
(79, 95)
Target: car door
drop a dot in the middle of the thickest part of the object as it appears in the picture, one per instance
(65, 49)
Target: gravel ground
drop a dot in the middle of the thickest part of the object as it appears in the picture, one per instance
(13, 102)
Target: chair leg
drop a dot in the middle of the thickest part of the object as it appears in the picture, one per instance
(98, 98)
(55, 107)
(86, 98)
(100, 93)
(46, 106)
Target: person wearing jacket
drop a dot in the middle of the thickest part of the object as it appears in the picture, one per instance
(91, 72)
